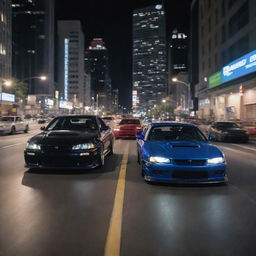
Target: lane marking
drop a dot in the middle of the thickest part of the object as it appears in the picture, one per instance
(13, 145)
(113, 241)
(245, 147)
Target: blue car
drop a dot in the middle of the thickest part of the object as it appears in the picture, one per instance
(179, 153)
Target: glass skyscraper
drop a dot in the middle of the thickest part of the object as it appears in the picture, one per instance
(149, 57)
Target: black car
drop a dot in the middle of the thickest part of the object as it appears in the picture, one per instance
(77, 141)
(228, 131)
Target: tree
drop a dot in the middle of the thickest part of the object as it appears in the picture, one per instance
(19, 88)
(162, 111)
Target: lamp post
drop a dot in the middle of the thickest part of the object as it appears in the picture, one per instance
(176, 80)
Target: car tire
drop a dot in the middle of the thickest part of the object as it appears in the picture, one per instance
(101, 157)
(13, 130)
(26, 129)
(111, 149)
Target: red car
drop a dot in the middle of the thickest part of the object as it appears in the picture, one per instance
(128, 128)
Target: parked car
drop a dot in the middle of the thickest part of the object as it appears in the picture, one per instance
(128, 128)
(179, 153)
(13, 124)
(73, 142)
(228, 131)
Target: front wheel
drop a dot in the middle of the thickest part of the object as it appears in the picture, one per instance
(26, 129)
(101, 157)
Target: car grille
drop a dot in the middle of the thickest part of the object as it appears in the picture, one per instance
(189, 162)
(189, 175)
(56, 148)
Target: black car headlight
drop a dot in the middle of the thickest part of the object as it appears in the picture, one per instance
(33, 146)
(83, 146)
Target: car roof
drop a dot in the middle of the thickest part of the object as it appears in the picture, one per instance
(171, 123)
(77, 116)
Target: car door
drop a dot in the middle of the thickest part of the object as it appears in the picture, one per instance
(19, 123)
(105, 133)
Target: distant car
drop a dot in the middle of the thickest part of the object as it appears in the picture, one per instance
(41, 121)
(228, 131)
(71, 142)
(109, 120)
(13, 124)
(179, 153)
(128, 128)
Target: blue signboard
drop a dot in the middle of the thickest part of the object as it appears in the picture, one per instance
(239, 67)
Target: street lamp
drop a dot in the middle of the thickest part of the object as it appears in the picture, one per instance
(176, 80)
(164, 101)
(7, 83)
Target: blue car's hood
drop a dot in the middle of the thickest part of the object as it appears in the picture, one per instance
(182, 149)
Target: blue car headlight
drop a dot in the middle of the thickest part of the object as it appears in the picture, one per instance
(159, 159)
(216, 160)
(33, 145)
(83, 146)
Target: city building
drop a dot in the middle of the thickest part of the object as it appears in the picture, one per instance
(115, 100)
(71, 73)
(6, 99)
(178, 68)
(97, 64)
(227, 60)
(33, 44)
(149, 58)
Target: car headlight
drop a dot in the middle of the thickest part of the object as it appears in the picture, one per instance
(159, 159)
(83, 146)
(34, 146)
(216, 160)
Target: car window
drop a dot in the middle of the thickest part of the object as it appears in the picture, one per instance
(130, 121)
(176, 133)
(18, 119)
(73, 123)
(7, 119)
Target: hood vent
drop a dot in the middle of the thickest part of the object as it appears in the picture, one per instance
(62, 134)
(185, 146)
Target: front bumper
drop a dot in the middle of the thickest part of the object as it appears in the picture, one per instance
(185, 174)
(125, 134)
(68, 160)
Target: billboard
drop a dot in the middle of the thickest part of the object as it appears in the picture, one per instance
(239, 67)
(7, 97)
(215, 80)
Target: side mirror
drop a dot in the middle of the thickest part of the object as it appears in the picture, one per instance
(105, 128)
(42, 128)
(211, 138)
(140, 135)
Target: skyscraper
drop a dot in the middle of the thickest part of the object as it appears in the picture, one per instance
(149, 57)
(5, 39)
(71, 73)
(33, 44)
(97, 64)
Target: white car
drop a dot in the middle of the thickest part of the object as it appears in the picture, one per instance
(13, 124)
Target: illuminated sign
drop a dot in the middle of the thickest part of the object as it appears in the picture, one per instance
(7, 97)
(49, 102)
(66, 104)
(66, 46)
(239, 67)
(215, 80)
(158, 6)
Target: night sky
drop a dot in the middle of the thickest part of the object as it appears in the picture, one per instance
(112, 21)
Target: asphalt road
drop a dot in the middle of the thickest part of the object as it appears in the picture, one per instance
(69, 213)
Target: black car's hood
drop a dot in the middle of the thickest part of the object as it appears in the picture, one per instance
(62, 137)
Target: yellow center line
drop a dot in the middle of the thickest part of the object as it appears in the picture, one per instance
(113, 242)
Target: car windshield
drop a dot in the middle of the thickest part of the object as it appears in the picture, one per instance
(73, 123)
(107, 118)
(130, 121)
(6, 119)
(227, 125)
(176, 133)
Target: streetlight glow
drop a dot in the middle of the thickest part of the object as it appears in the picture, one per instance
(43, 78)
(8, 83)
(174, 79)
(164, 101)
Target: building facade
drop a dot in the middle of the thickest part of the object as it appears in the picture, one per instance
(5, 40)
(149, 58)
(97, 64)
(71, 74)
(227, 60)
(33, 44)
(178, 68)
